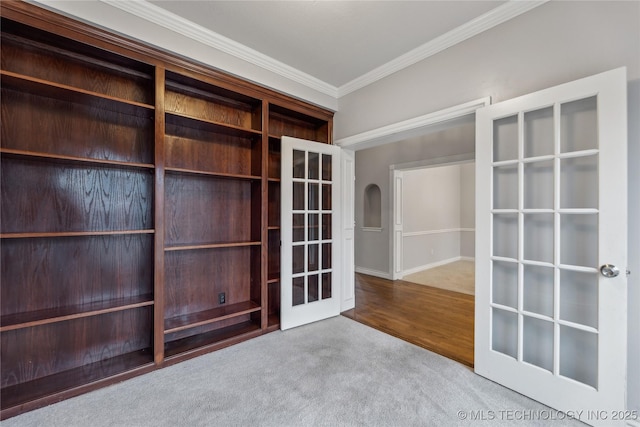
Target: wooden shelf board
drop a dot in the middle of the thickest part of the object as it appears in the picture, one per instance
(73, 159)
(20, 394)
(273, 227)
(274, 179)
(69, 93)
(274, 278)
(32, 235)
(210, 246)
(59, 314)
(180, 119)
(217, 314)
(202, 343)
(213, 174)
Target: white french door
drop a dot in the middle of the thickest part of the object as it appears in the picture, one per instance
(311, 226)
(551, 230)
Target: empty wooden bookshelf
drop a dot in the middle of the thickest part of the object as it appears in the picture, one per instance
(139, 203)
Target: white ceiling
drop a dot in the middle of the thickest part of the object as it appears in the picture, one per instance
(332, 47)
(333, 41)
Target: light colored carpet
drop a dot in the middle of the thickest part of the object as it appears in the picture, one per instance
(336, 372)
(458, 276)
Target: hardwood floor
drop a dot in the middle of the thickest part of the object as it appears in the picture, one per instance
(436, 319)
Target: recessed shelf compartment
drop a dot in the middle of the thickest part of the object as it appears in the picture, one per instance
(74, 95)
(201, 147)
(73, 198)
(195, 279)
(49, 57)
(87, 349)
(67, 131)
(17, 395)
(210, 340)
(200, 210)
(197, 99)
(274, 159)
(289, 122)
(217, 314)
(57, 292)
(274, 204)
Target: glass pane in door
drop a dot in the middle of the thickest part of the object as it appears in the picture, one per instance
(312, 226)
(544, 256)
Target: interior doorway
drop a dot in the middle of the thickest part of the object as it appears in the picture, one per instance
(395, 306)
(430, 301)
(433, 221)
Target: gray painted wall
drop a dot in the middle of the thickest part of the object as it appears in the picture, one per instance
(431, 203)
(552, 44)
(373, 167)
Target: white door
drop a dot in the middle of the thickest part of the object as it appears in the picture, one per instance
(551, 224)
(311, 228)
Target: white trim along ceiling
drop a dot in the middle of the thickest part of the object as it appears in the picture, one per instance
(177, 24)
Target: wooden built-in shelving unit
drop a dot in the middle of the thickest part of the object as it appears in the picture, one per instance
(138, 190)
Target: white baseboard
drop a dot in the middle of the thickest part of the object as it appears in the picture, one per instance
(371, 272)
(467, 258)
(434, 264)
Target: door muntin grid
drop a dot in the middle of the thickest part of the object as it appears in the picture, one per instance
(544, 277)
(312, 227)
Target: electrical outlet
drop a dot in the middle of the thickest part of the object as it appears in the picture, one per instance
(222, 298)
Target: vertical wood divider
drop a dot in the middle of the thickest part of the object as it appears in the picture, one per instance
(264, 273)
(158, 287)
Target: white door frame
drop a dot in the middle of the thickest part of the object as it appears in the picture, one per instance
(396, 172)
(400, 131)
(348, 165)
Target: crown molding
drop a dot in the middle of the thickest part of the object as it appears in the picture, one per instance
(409, 128)
(482, 23)
(177, 24)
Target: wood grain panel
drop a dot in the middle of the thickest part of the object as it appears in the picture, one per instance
(207, 110)
(274, 158)
(52, 61)
(73, 197)
(200, 209)
(32, 353)
(283, 122)
(39, 274)
(274, 299)
(193, 279)
(195, 149)
(45, 125)
(439, 320)
(199, 99)
(273, 204)
(274, 254)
